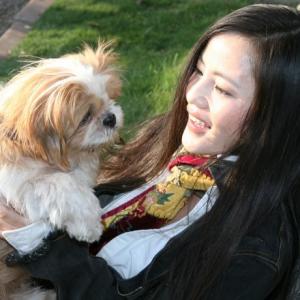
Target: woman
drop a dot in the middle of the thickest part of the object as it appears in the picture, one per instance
(238, 106)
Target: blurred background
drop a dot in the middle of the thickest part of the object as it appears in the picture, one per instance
(152, 37)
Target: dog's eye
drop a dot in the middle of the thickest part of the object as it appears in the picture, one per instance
(87, 117)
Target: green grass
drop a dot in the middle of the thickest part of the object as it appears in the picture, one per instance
(153, 39)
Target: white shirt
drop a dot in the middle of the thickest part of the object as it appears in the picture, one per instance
(130, 252)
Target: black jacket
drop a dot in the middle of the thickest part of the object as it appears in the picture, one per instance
(261, 268)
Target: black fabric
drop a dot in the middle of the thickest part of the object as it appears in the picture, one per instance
(260, 269)
(294, 280)
(15, 258)
(294, 284)
(74, 273)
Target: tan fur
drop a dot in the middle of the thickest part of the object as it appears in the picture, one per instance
(37, 108)
(114, 86)
(36, 103)
(10, 278)
(29, 110)
(103, 60)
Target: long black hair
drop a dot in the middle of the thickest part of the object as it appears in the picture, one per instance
(268, 167)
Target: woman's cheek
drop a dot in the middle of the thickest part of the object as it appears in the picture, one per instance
(233, 121)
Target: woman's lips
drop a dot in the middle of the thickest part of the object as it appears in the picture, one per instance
(199, 122)
(197, 116)
(196, 125)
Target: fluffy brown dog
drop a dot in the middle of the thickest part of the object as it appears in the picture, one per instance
(54, 116)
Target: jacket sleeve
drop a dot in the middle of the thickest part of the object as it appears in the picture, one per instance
(248, 277)
(75, 274)
(261, 266)
(259, 269)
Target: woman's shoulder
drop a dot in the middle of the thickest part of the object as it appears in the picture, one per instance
(272, 241)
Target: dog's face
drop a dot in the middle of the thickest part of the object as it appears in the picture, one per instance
(61, 106)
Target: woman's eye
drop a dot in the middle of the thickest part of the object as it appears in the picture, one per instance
(87, 117)
(222, 91)
(198, 72)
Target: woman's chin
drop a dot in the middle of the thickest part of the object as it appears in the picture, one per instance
(191, 143)
(194, 143)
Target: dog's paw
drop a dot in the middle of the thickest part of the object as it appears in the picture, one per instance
(85, 231)
(81, 220)
(69, 205)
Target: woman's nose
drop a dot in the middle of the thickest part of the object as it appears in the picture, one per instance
(198, 93)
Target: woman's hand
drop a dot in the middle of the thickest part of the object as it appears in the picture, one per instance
(10, 219)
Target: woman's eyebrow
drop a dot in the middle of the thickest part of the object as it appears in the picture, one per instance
(233, 82)
(220, 74)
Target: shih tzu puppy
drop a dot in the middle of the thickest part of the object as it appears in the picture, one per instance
(54, 116)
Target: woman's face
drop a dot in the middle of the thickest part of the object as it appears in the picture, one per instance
(219, 95)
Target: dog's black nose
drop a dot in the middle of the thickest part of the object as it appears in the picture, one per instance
(110, 120)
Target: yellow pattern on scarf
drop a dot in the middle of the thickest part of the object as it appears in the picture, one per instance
(169, 197)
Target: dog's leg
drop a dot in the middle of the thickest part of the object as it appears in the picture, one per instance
(65, 203)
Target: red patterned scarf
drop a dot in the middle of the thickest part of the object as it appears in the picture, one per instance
(164, 200)
(160, 203)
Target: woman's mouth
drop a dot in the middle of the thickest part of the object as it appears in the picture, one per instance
(198, 123)
(197, 126)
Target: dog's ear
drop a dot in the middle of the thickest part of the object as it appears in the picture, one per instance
(17, 133)
(61, 119)
(37, 112)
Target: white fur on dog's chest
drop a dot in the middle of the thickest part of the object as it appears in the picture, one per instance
(65, 199)
(86, 169)
(15, 176)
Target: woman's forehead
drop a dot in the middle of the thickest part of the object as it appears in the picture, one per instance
(228, 53)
